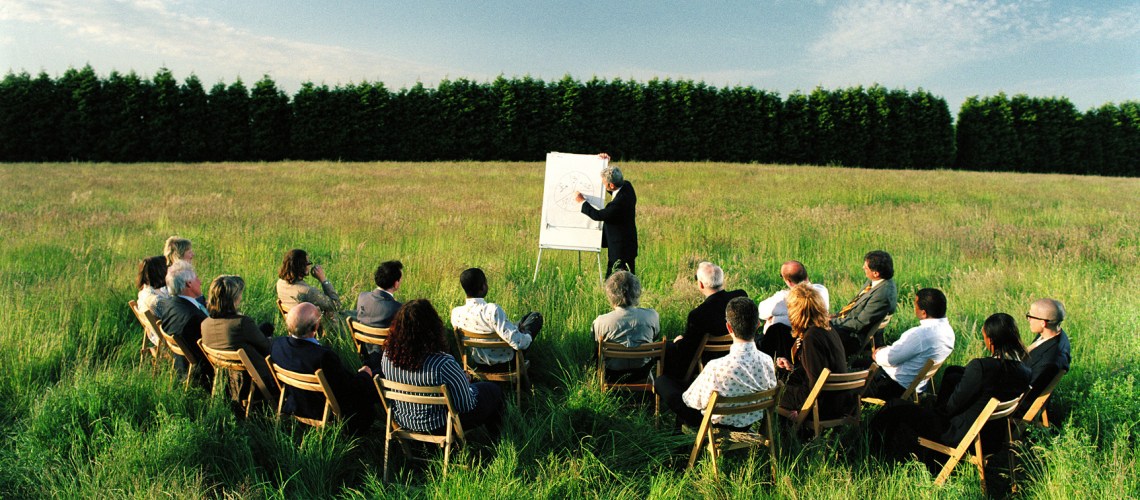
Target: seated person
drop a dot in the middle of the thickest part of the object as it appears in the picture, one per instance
(744, 370)
(627, 324)
(816, 347)
(416, 353)
(1049, 352)
(229, 330)
(899, 363)
(479, 316)
(182, 316)
(878, 298)
(292, 289)
(706, 320)
(961, 398)
(151, 282)
(378, 307)
(301, 352)
(777, 339)
(177, 248)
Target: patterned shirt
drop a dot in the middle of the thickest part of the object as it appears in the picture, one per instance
(933, 338)
(744, 370)
(438, 369)
(480, 316)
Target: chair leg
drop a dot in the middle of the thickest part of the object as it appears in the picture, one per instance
(446, 456)
(387, 448)
(947, 469)
(980, 461)
(713, 452)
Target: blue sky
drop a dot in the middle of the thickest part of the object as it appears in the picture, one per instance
(1088, 51)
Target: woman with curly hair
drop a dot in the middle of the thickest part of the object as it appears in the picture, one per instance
(816, 347)
(415, 353)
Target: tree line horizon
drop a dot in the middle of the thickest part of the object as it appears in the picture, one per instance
(79, 116)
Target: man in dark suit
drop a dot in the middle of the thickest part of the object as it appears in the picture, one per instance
(378, 307)
(619, 225)
(706, 320)
(182, 316)
(878, 298)
(301, 352)
(1050, 351)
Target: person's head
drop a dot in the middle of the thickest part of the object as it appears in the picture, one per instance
(1045, 314)
(295, 266)
(182, 280)
(930, 301)
(303, 320)
(877, 265)
(225, 296)
(1002, 337)
(805, 308)
(176, 249)
(388, 275)
(152, 272)
(416, 332)
(612, 178)
(710, 277)
(793, 272)
(474, 283)
(623, 289)
(742, 318)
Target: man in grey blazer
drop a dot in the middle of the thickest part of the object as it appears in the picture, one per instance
(378, 307)
(878, 298)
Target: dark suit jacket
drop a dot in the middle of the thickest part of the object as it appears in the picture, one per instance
(183, 321)
(707, 319)
(619, 226)
(376, 308)
(239, 332)
(351, 388)
(1044, 363)
(982, 379)
(869, 310)
(820, 349)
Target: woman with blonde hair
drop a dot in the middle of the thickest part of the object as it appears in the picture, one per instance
(816, 347)
(228, 329)
(177, 248)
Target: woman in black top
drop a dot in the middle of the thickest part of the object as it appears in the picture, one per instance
(816, 347)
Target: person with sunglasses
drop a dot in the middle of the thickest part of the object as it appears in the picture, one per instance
(1050, 351)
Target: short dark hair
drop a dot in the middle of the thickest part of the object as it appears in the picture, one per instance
(742, 314)
(293, 266)
(933, 301)
(474, 283)
(152, 271)
(878, 260)
(388, 273)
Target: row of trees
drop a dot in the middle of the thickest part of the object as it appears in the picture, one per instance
(126, 118)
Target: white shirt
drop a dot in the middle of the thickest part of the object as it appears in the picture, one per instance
(744, 370)
(933, 338)
(149, 297)
(776, 306)
(480, 316)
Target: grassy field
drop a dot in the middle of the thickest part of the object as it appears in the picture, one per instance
(81, 419)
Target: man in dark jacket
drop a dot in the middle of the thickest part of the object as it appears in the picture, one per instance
(706, 320)
(619, 224)
(182, 316)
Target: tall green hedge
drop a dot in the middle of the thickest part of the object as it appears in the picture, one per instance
(125, 118)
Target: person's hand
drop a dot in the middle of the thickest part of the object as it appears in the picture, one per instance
(604, 156)
(365, 369)
(578, 198)
(678, 338)
(319, 273)
(783, 363)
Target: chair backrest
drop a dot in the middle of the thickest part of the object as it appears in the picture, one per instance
(281, 309)
(618, 351)
(314, 382)
(229, 360)
(471, 340)
(873, 331)
(364, 334)
(927, 372)
(145, 318)
(719, 344)
(829, 382)
(435, 395)
(176, 346)
(1038, 405)
(1004, 409)
(735, 405)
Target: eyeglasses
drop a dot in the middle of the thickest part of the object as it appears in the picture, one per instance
(1030, 316)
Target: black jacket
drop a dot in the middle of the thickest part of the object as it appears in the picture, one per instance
(619, 225)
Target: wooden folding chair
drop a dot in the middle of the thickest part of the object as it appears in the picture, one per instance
(613, 350)
(872, 333)
(425, 395)
(150, 330)
(471, 340)
(315, 382)
(1037, 408)
(237, 364)
(927, 372)
(719, 345)
(829, 382)
(994, 410)
(363, 334)
(176, 347)
(720, 440)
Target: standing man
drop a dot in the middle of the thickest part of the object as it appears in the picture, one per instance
(878, 298)
(619, 225)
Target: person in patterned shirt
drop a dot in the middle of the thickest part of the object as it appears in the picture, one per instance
(745, 370)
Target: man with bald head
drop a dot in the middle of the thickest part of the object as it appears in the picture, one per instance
(1049, 352)
(777, 340)
(301, 352)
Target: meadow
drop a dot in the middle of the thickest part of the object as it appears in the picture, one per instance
(81, 417)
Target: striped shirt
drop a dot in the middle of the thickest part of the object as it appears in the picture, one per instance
(438, 369)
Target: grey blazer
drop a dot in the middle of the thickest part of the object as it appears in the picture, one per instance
(869, 309)
(629, 327)
(376, 308)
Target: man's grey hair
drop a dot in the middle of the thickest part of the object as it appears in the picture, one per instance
(623, 289)
(612, 175)
(178, 276)
(711, 275)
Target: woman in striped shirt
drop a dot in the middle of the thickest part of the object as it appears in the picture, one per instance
(415, 354)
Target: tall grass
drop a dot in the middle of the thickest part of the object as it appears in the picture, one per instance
(81, 418)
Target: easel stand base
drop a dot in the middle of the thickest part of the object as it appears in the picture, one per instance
(597, 251)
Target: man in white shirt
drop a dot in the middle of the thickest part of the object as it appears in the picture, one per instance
(744, 370)
(479, 316)
(777, 339)
(899, 363)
